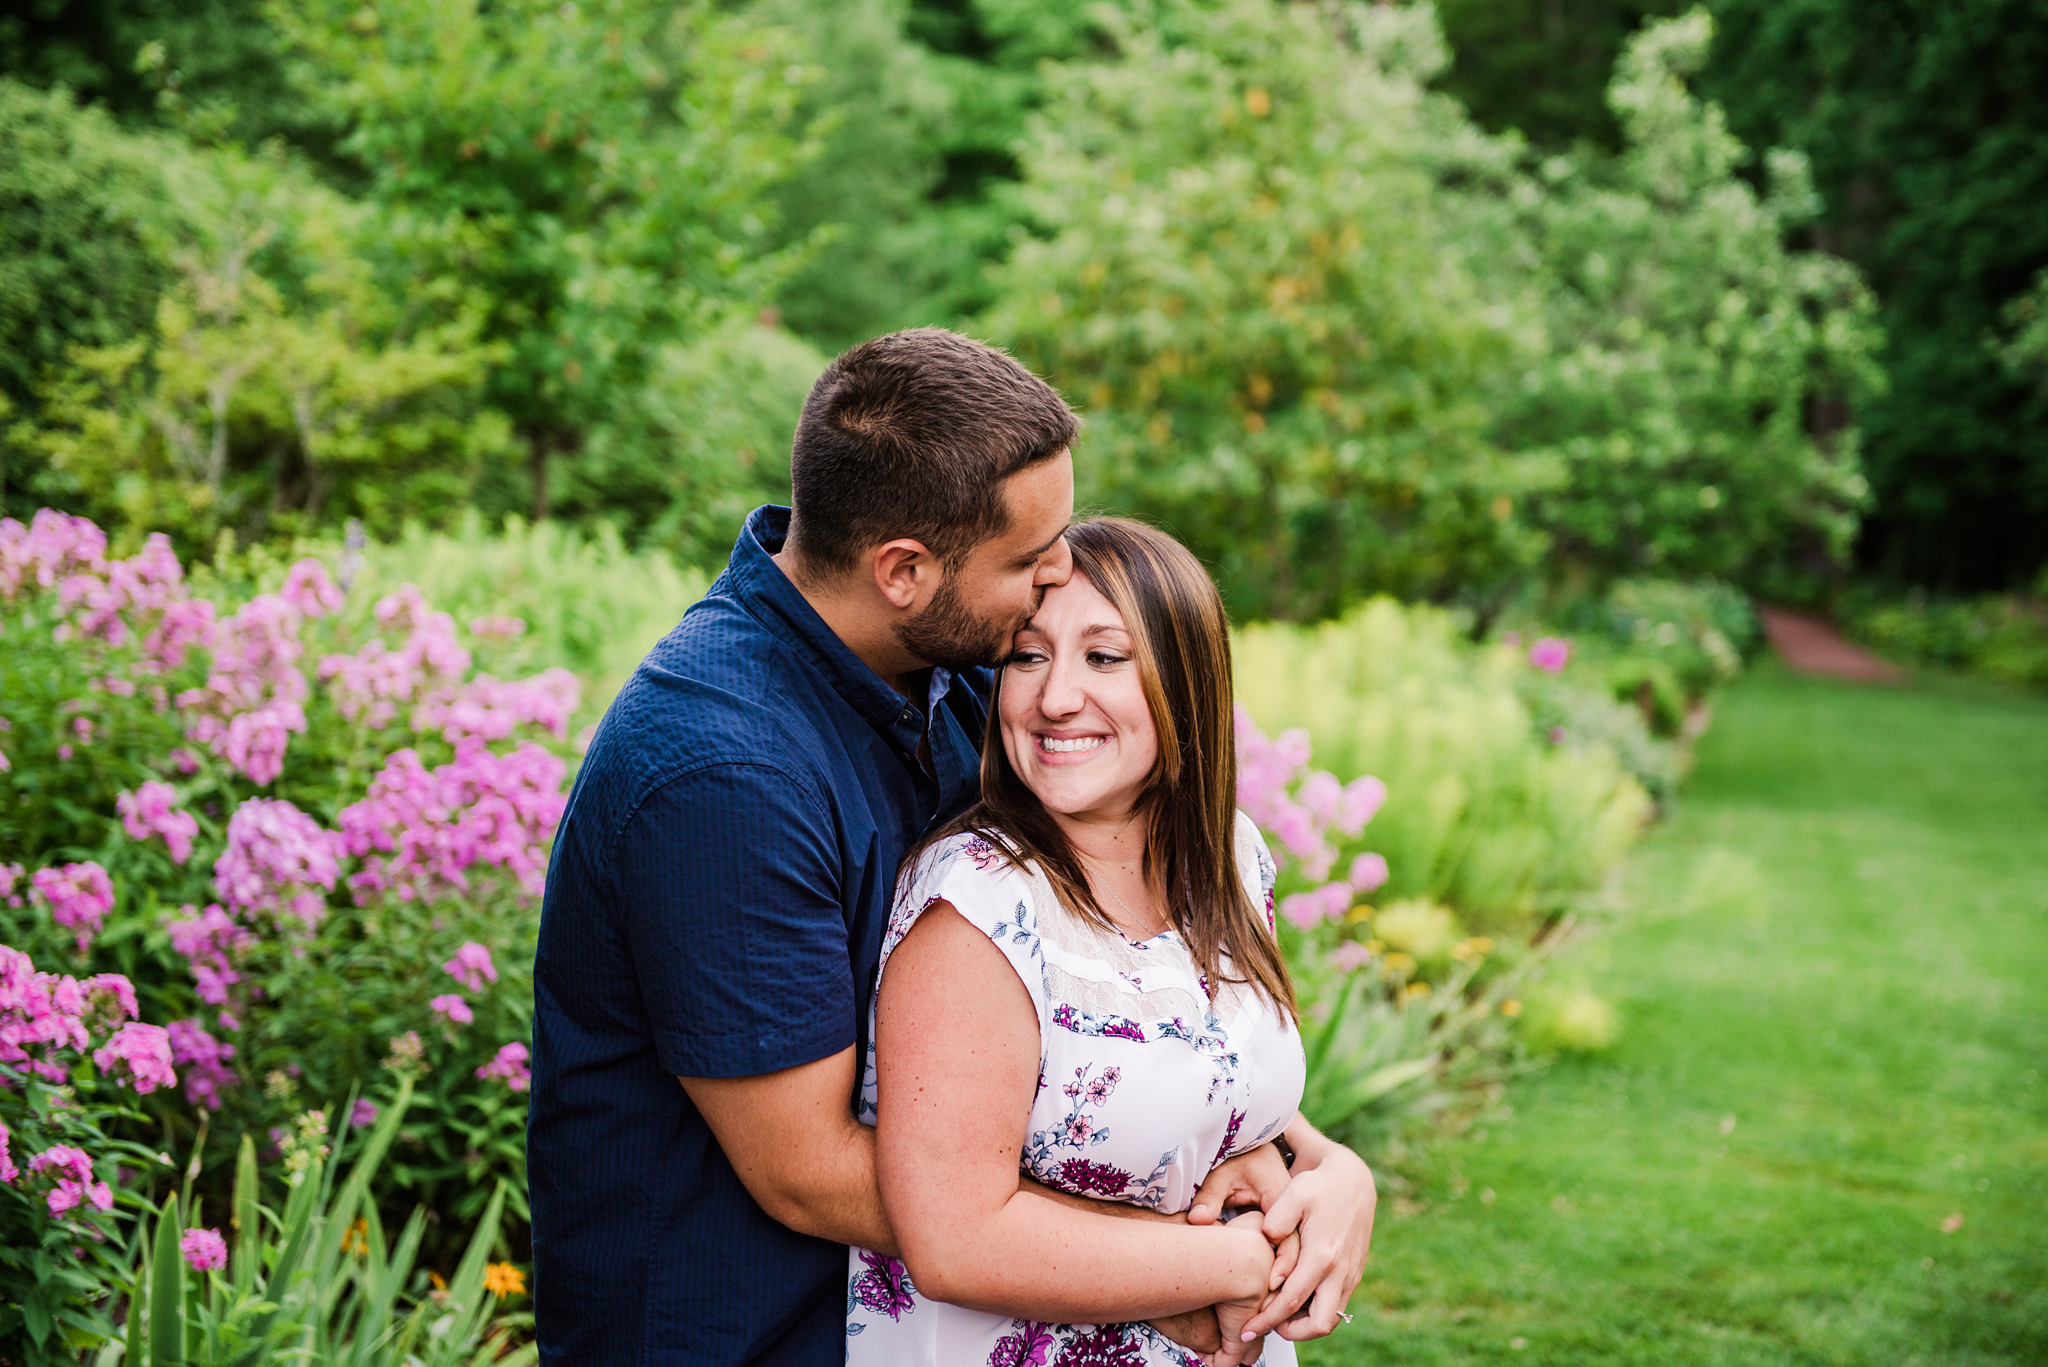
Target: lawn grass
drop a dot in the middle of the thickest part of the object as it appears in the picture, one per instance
(1833, 976)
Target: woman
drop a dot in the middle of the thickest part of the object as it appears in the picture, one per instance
(1080, 982)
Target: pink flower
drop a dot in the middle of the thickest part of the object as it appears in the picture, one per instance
(363, 1114)
(204, 1060)
(307, 588)
(72, 1169)
(1350, 955)
(212, 942)
(1303, 910)
(1550, 655)
(472, 966)
(204, 1249)
(1361, 801)
(419, 833)
(489, 710)
(152, 810)
(10, 874)
(1368, 872)
(78, 896)
(252, 697)
(453, 1007)
(371, 685)
(509, 1064)
(39, 1011)
(184, 761)
(8, 1172)
(141, 1054)
(497, 628)
(52, 546)
(276, 855)
(109, 1000)
(182, 626)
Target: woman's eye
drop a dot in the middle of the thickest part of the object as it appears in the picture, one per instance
(1103, 659)
(1025, 657)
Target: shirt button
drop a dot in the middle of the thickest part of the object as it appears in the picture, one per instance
(907, 717)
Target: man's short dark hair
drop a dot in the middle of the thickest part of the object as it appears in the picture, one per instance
(912, 435)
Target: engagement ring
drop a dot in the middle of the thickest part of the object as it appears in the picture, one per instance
(1344, 1315)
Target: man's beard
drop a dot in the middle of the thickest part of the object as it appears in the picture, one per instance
(948, 634)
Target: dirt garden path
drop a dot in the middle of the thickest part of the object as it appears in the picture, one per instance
(1812, 645)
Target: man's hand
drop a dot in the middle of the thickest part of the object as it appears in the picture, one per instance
(1253, 1179)
(1329, 1205)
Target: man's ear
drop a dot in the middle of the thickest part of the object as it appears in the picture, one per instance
(905, 571)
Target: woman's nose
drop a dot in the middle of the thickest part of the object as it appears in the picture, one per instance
(1063, 695)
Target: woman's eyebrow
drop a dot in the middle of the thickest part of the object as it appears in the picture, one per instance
(1100, 627)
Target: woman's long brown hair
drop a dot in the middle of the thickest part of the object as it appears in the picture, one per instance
(1181, 641)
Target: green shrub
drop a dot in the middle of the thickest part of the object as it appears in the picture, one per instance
(1484, 812)
(2003, 637)
(83, 223)
(1489, 823)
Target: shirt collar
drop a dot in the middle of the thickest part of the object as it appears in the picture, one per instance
(761, 587)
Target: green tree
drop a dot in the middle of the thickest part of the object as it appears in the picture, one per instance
(276, 380)
(1689, 349)
(593, 175)
(83, 230)
(1542, 67)
(1253, 286)
(1927, 125)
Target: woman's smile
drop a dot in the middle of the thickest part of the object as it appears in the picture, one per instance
(1050, 743)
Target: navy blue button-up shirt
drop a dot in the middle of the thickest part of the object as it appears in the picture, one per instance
(715, 908)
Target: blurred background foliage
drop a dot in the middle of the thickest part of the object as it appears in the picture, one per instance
(1358, 299)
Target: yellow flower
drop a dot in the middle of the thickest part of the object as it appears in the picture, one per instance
(1511, 1007)
(1417, 990)
(1398, 964)
(1361, 912)
(503, 1279)
(356, 1238)
(1473, 950)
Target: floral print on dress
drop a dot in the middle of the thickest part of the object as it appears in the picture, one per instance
(1026, 1345)
(1088, 1023)
(883, 1289)
(1145, 1082)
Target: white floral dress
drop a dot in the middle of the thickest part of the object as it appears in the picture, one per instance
(1144, 1085)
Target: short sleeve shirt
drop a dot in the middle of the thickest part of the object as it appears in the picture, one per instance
(715, 908)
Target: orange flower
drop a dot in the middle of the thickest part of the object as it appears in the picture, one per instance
(503, 1279)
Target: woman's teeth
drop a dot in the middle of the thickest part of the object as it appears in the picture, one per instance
(1061, 747)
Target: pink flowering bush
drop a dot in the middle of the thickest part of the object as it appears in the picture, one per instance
(63, 1106)
(297, 821)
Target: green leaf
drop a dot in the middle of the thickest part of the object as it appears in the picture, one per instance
(167, 1295)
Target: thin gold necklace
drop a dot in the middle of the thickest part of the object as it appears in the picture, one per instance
(1129, 911)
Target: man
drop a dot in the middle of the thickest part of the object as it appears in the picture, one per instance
(722, 877)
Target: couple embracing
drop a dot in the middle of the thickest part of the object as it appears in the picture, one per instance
(907, 990)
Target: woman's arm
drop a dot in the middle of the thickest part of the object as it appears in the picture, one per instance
(956, 1048)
